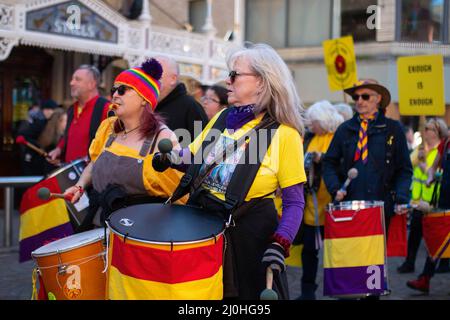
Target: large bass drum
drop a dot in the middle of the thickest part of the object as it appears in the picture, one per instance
(170, 252)
(355, 263)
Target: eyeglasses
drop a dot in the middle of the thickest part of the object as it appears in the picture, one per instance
(233, 74)
(364, 96)
(120, 90)
(208, 99)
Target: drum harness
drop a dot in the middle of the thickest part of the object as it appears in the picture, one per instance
(314, 175)
(238, 188)
(62, 268)
(234, 204)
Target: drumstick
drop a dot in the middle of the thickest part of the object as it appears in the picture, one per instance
(22, 140)
(351, 174)
(268, 293)
(45, 194)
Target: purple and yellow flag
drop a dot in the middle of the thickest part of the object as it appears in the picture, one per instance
(354, 253)
(436, 233)
(41, 221)
(141, 271)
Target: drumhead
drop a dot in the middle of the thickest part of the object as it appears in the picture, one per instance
(354, 205)
(162, 224)
(74, 164)
(69, 243)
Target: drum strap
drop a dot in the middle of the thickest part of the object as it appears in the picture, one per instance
(184, 187)
(238, 187)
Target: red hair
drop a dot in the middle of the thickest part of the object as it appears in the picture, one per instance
(150, 123)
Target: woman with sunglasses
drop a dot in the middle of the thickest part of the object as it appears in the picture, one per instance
(214, 100)
(121, 154)
(264, 100)
(434, 194)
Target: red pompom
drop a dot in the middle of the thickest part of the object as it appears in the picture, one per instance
(21, 140)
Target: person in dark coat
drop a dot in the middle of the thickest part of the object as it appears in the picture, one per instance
(179, 110)
(31, 162)
(376, 147)
(381, 176)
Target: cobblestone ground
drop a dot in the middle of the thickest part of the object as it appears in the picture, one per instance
(15, 277)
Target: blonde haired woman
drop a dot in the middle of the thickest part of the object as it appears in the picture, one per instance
(263, 98)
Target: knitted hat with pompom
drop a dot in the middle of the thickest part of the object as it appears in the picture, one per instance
(144, 80)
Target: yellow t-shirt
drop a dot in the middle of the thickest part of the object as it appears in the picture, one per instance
(318, 144)
(282, 165)
(157, 184)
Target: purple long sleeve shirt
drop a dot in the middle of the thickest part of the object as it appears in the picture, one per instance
(292, 211)
(292, 198)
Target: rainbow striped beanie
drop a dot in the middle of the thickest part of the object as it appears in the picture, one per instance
(144, 80)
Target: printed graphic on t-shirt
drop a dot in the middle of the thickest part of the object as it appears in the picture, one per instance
(220, 175)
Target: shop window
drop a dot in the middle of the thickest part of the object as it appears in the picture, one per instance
(309, 22)
(197, 14)
(266, 22)
(288, 23)
(422, 20)
(354, 18)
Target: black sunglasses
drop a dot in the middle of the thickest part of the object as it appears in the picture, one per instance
(233, 74)
(120, 90)
(364, 96)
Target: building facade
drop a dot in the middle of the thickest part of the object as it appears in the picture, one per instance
(43, 41)
(297, 29)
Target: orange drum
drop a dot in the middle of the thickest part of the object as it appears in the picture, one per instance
(72, 268)
(165, 252)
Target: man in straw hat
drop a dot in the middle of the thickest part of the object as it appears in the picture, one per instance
(374, 145)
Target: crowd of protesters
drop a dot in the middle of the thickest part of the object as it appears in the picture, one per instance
(150, 102)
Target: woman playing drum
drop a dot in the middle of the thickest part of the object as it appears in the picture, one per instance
(264, 99)
(121, 153)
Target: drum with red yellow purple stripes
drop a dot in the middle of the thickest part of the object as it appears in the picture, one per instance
(436, 233)
(354, 258)
(168, 252)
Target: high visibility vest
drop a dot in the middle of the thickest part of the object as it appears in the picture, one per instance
(420, 191)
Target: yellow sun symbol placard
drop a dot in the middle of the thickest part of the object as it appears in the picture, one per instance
(340, 62)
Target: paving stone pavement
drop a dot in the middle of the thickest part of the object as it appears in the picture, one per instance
(15, 277)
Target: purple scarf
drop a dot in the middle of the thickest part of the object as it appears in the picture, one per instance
(239, 116)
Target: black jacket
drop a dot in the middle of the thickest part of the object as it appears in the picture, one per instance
(376, 180)
(180, 110)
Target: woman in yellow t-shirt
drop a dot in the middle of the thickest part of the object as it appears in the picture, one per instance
(323, 120)
(262, 95)
(121, 154)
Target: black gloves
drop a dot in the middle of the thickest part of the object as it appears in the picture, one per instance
(161, 162)
(274, 257)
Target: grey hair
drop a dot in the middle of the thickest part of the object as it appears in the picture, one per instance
(93, 71)
(279, 95)
(344, 110)
(171, 62)
(326, 114)
(440, 126)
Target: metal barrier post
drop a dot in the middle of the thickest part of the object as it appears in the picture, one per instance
(9, 183)
(9, 208)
